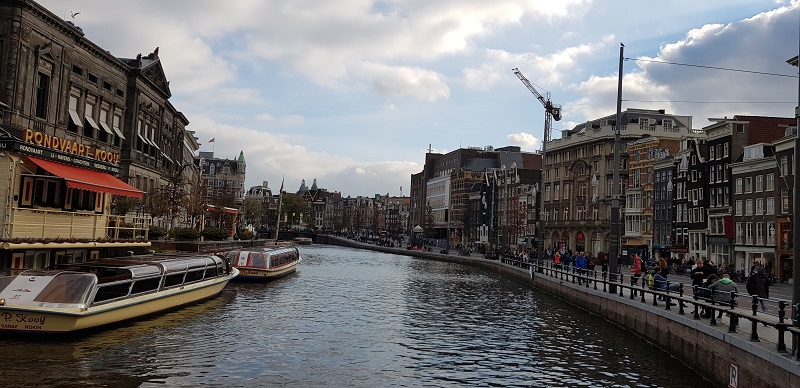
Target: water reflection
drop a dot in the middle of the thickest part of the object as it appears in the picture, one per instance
(357, 319)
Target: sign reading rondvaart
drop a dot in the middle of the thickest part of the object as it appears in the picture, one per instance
(69, 146)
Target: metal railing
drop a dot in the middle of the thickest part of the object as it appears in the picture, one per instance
(698, 305)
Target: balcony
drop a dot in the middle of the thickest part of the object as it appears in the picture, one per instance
(48, 224)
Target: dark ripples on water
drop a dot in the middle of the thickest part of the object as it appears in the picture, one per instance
(353, 318)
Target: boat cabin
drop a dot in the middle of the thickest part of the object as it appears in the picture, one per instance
(92, 283)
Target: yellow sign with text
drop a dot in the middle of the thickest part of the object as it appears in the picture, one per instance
(69, 146)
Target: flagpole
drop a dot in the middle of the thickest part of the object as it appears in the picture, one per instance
(280, 202)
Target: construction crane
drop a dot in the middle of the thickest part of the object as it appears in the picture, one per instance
(551, 111)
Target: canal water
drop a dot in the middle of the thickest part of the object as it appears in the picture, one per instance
(351, 318)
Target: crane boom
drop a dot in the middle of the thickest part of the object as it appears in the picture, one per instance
(552, 111)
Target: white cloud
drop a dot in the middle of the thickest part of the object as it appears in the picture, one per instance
(550, 69)
(265, 117)
(407, 81)
(525, 140)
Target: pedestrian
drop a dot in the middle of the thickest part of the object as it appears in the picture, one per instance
(758, 284)
(703, 292)
(636, 268)
(698, 276)
(663, 268)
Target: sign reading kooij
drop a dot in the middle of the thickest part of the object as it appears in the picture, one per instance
(69, 146)
(45, 153)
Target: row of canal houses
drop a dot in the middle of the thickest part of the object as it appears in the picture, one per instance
(722, 193)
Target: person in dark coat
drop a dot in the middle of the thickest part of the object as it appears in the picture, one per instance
(698, 276)
(758, 284)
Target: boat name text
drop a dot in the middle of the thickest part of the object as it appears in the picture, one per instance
(23, 318)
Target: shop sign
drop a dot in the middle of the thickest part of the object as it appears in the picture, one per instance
(68, 146)
(45, 153)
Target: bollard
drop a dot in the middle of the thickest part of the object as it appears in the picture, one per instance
(643, 291)
(781, 345)
(781, 310)
(604, 282)
(734, 321)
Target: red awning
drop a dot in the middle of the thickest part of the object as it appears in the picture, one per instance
(81, 178)
(229, 210)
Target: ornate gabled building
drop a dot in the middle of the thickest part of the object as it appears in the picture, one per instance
(578, 176)
(222, 187)
(71, 115)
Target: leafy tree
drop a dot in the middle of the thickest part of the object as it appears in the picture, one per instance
(156, 203)
(253, 211)
(294, 205)
(124, 204)
(429, 221)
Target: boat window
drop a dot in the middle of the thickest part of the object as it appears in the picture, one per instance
(112, 291)
(197, 263)
(211, 272)
(173, 280)
(256, 259)
(5, 281)
(67, 288)
(194, 276)
(36, 259)
(146, 285)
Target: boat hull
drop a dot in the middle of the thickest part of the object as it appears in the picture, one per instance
(249, 273)
(62, 320)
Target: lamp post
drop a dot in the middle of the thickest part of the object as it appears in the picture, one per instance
(671, 218)
(613, 260)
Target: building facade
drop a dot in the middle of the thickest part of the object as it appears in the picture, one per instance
(582, 160)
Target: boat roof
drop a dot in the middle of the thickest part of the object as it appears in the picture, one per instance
(142, 266)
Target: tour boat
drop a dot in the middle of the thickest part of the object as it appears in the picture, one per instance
(76, 296)
(264, 263)
(303, 240)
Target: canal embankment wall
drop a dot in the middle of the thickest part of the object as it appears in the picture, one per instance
(727, 359)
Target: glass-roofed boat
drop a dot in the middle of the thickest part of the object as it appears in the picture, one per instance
(76, 296)
(264, 263)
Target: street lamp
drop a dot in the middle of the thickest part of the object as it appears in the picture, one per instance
(613, 260)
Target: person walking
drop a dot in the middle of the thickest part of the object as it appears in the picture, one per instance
(758, 284)
(636, 268)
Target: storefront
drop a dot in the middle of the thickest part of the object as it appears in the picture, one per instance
(56, 204)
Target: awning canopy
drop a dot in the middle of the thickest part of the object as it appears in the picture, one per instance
(81, 178)
(224, 209)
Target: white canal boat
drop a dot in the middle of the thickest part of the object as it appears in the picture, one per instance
(78, 296)
(264, 263)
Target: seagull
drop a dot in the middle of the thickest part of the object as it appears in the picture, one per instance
(75, 14)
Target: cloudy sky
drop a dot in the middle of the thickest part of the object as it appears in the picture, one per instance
(354, 92)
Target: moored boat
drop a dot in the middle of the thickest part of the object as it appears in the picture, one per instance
(78, 296)
(303, 240)
(264, 263)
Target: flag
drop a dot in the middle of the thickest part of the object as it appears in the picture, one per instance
(212, 139)
(281, 190)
